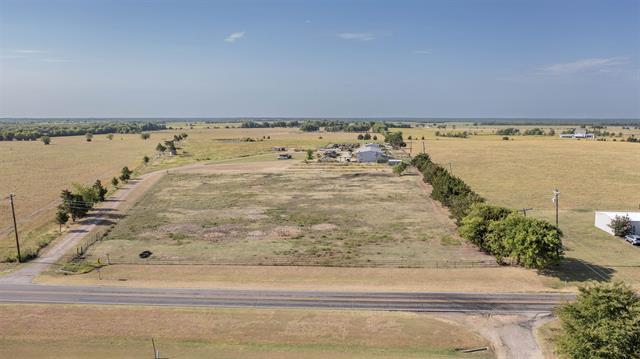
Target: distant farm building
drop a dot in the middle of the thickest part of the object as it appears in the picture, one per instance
(370, 153)
(284, 156)
(603, 219)
(279, 148)
(578, 133)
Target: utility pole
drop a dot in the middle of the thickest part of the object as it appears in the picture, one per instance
(555, 199)
(423, 150)
(15, 227)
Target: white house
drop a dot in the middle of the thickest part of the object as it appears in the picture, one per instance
(603, 219)
(370, 153)
(577, 133)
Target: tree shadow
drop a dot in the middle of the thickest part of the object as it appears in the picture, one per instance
(578, 270)
(77, 231)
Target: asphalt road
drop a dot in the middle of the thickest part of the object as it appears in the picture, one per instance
(384, 301)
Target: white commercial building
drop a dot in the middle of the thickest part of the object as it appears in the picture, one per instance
(603, 219)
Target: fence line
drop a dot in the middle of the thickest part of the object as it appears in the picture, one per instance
(308, 263)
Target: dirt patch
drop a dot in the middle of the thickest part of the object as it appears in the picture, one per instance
(286, 231)
(323, 227)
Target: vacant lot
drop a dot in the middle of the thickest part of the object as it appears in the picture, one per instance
(590, 175)
(303, 215)
(75, 331)
(36, 174)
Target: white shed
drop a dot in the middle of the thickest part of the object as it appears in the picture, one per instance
(603, 219)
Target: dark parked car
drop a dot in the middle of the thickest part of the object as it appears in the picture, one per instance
(633, 239)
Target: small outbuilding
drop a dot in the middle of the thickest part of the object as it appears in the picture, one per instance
(603, 219)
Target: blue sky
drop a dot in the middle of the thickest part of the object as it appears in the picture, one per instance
(448, 58)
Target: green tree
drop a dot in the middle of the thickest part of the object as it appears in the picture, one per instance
(399, 168)
(360, 136)
(309, 126)
(100, 189)
(125, 174)
(110, 136)
(45, 139)
(475, 225)
(394, 139)
(621, 225)
(146, 159)
(114, 182)
(62, 217)
(526, 241)
(603, 323)
(367, 136)
(171, 147)
(88, 136)
(375, 138)
(160, 148)
(309, 154)
(74, 204)
(145, 135)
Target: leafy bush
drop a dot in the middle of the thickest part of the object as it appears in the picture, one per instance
(475, 226)
(399, 168)
(621, 225)
(526, 241)
(604, 322)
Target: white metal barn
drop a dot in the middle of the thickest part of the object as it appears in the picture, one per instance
(370, 153)
(603, 219)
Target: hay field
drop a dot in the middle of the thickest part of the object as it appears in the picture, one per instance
(590, 175)
(36, 174)
(79, 331)
(307, 214)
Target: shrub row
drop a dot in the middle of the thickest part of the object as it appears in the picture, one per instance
(448, 189)
(509, 236)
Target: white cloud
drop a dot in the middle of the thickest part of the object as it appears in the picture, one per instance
(585, 65)
(358, 36)
(235, 36)
(422, 52)
(28, 51)
(55, 60)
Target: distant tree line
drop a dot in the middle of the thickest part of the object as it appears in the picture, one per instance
(34, 131)
(327, 125)
(536, 131)
(462, 134)
(269, 124)
(507, 235)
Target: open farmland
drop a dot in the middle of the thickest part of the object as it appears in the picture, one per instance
(304, 214)
(79, 331)
(36, 174)
(522, 173)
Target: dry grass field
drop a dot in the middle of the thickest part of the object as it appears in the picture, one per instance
(78, 331)
(304, 214)
(36, 174)
(522, 173)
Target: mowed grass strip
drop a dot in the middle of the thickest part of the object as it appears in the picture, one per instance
(292, 216)
(80, 331)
